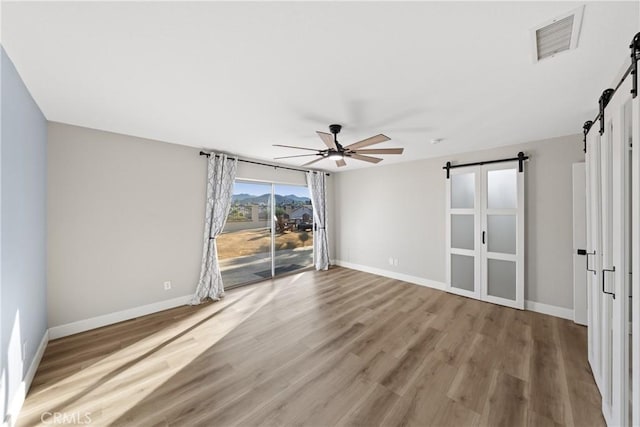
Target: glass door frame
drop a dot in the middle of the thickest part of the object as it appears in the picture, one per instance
(272, 225)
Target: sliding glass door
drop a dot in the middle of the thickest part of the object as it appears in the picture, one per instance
(244, 247)
(293, 243)
(268, 232)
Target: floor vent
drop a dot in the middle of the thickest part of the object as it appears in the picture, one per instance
(558, 35)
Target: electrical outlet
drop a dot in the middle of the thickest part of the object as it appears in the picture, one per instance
(395, 262)
(167, 285)
(390, 261)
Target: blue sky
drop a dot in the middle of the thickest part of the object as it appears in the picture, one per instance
(258, 189)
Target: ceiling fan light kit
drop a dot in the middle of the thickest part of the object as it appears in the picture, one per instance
(336, 151)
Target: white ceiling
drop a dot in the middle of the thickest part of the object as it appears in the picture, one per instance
(241, 76)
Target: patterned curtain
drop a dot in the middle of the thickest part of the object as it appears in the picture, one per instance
(317, 188)
(220, 177)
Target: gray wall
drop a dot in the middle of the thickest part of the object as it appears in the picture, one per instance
(125, 214)
(399, 211)
(23, 291)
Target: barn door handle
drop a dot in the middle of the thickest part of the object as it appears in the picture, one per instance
(587, 254)
(483, 234)
(604, 270)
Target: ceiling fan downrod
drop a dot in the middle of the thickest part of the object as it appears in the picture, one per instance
(335, 130)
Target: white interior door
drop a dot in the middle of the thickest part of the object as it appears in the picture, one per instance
(579, 243)
(503, 234)
(617, 254)
(463, 231)
(635, 257)
(607, 269)
(485, 233)
(593, 253)
(609, 228)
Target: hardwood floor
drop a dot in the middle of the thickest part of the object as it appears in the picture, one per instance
(323, 348)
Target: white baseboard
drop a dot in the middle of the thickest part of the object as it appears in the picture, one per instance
(552, 310)
(118, 316)
(28, 378)
(21, 393)
(538, 307)
(393, 275)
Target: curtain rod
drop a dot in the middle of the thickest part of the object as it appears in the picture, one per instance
(521, 158)
(202, 153)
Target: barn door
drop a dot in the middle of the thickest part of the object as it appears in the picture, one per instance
(593, 254)
(634, 191)
(609, 242)
(485, 233)
(607, 270)
(617, 255)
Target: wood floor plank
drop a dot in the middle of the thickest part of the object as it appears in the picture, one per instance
(536, 420)
(584, 395)
(507, 404)
(371, 409)
(547, 383)
(398, 379)
(471, 385)
(515, 358)
(337, 347)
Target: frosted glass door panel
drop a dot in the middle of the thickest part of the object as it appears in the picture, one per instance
(502, 279)
(462, 234)
(502, 189)
(463, 191)
(462, 272)
(502, 262)
(501, 231)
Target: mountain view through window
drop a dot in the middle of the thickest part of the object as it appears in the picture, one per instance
(269, 231)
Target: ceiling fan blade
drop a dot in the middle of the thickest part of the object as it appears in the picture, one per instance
(297, 148)
(299, 155)
(381, 151)
(369, 141)
(366, 158)
(340, 163)
(327, 138)
(313, 161)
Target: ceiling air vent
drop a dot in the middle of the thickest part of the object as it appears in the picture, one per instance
(558, 35)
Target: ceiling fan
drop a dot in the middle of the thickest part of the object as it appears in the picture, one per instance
(336, 151)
